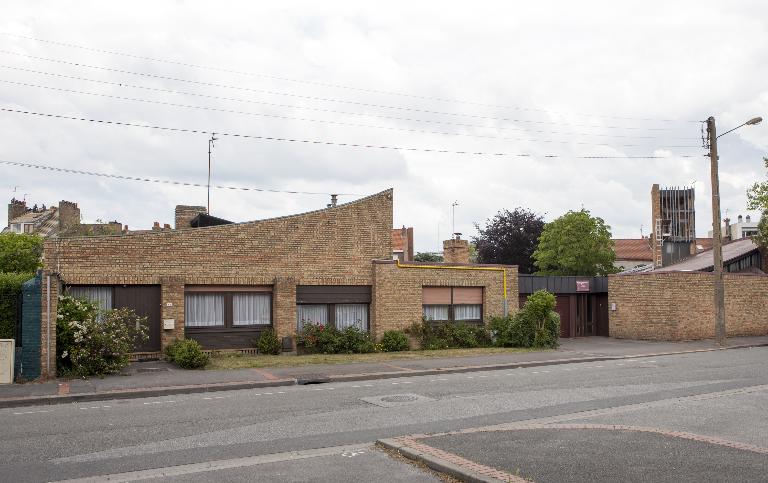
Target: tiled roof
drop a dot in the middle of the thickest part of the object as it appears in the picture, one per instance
(33, 216)
(704, 260)
(633, 249)
(398, 243)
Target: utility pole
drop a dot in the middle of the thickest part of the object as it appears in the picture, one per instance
(717, 240)
(210, 145)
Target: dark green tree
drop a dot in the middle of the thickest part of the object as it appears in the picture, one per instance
(575, 244)
(509, 238)
(758, 200)
(20, 252)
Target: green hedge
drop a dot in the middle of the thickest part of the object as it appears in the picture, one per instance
(535, 325)
(450, 335)
(10, 288)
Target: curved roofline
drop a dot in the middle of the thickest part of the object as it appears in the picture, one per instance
(389, 191)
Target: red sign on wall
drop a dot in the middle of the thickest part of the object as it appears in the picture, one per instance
(582, 285)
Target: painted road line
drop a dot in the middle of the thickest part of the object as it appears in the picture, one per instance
(160, 402)
(34, 412)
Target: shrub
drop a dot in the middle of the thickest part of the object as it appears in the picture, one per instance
(268, 343)
(70, 309)
(102, 347)
(10, 288)
(394, 341)
(535, 325)
(449, 335)
(329, 340)
(186, 353)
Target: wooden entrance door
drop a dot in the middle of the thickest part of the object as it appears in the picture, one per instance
(145, 301)
(585, 316)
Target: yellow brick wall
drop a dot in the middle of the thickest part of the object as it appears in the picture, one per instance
(680, 306)
(397, 292)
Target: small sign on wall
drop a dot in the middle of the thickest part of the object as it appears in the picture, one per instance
(7, 355)
(169, 324)
(582, 285)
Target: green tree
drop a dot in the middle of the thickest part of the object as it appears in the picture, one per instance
(758, 200)
(510, 238)
(427, 257)
(20, 252)
(575, 244)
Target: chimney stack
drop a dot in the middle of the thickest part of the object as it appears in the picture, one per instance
(334, 200)
(16, 208)
(156, 226)
(185, 214)
(456, 250)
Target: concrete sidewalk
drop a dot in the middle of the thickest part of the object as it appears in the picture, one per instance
(147, 379)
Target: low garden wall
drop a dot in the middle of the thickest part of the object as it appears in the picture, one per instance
(680, 305)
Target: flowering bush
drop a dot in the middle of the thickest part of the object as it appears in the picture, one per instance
(70, 310)
(91, 346)
(330, 340)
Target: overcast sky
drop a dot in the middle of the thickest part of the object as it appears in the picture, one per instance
(539, 79)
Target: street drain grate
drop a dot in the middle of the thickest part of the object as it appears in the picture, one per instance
(395, 400)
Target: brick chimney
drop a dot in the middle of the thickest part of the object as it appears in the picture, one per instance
(456, 250)
(184, 215)
(69, 215)
(16, 208)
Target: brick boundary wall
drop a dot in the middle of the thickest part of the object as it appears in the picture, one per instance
(680, 305)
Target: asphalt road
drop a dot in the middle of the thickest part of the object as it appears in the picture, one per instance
(325, 432)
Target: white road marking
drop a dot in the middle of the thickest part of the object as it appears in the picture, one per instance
(367, 385)
(160, 402)
(356, 386)
(34, 412)
(407, 382)
(219, 465)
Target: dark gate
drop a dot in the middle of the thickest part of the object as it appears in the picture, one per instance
(581, 302)
(145, 301)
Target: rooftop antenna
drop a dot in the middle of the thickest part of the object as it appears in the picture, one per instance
(453, 222)
(641, 231)
(210, 145)
(25, 197)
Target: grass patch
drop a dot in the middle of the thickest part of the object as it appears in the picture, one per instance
(236, 360)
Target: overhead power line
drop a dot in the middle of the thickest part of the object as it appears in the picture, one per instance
(277, 116)
(165, 181)
(322, 84)
(324, 99)
(322, 142)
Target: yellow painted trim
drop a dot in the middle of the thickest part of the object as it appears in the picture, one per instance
(444, 267)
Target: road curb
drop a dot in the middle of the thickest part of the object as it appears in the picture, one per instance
(139, 393)
(435, 463)
(231, 386)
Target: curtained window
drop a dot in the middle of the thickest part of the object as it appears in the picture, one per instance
(314, 313)
(436, 312)
(251, 309)
(352, 314)
(203, 310)
(100, 295)
(467, 312)
(452, 303)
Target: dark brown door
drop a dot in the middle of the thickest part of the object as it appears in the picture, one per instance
(563, 308)
(585, 315)
(602, 314)
(145, 301)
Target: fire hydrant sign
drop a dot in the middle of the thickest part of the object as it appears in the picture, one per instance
(7, 349)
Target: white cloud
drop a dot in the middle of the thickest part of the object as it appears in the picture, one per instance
(576, 61)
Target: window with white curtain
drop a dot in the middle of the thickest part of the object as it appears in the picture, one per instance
(436, 312)
(203, 310)
(251, 309)
(467, 312)
(100, 295)
(352, 314)
(311, 313)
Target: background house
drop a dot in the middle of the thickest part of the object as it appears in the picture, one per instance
(61, 220)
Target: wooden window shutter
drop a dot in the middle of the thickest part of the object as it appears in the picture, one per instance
(436, 295)
(468, 295)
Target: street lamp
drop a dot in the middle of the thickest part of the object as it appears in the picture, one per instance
(717, 241)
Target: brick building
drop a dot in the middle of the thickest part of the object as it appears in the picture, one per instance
(222, 285)
(61, 220)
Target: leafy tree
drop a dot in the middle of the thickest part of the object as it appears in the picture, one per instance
(758, 200)
(20, 252)
(509, 238)
(427, 257)
(575, 244)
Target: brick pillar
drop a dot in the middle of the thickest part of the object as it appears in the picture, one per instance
(456, 250)
(171, 292)
(69, 215)
(284, 307)
(48, 325)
